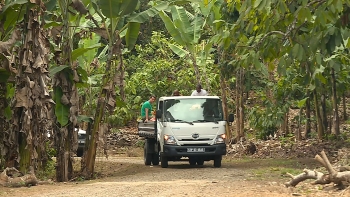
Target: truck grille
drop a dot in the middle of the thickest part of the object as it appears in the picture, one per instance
(191, 139)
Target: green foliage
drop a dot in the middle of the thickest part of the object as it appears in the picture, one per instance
(61, 110)
(264, 121)
(49, 172)
(140, 143)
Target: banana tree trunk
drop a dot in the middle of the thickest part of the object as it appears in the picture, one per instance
(335, 125)
(30, 118)
(67, 102)
(3, 123)
(106, 99)
(320, 128)
(196, 70)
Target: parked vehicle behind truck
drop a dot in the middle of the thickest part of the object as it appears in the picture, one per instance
(186, 128)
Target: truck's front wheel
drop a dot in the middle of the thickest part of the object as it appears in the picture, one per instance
(163, 161)
(217, 161)
(155, 159)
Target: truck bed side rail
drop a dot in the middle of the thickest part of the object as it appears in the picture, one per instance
(146, 129)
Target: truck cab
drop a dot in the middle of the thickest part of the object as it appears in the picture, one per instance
(186, 128)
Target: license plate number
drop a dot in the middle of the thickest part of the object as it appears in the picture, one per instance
(195, 149)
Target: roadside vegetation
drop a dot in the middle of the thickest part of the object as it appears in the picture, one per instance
(281, 66)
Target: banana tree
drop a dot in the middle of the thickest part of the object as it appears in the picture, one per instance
(186, 29)
(119, 20)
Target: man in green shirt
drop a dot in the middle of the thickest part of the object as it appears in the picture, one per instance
(146, 109)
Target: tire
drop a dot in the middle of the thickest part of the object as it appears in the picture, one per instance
(146, 156)
(217, 161)
(80, 152)
(192, 161)
(200, 162)
(155, 159)
(163, 162)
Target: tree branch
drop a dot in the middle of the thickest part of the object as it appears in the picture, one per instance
(267, 35)
(307, 174)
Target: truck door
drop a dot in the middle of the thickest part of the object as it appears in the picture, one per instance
(159, 122)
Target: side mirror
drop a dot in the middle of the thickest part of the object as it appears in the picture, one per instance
(159, 114)
(230, 118)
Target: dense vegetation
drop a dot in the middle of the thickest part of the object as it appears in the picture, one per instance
(83, 63)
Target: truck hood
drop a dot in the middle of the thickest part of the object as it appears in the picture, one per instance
(203, 131)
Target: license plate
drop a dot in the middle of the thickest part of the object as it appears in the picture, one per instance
(195, 149)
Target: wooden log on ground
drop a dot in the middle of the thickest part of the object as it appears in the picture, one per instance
(334, 176)
(7, 180)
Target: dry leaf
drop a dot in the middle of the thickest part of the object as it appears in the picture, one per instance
(21, 98)
(38, 62)
(64, 100)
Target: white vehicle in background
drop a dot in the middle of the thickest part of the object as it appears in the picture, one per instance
(186, 128)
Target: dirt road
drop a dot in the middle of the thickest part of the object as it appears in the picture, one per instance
(127, 176)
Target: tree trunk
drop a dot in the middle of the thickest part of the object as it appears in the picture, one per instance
(335, 125)
(224, 104)
(3, 122)
(320, 128)
(239, 104)
(196, 70)
(67, 100)
(32, 99)
(298, 132)
(323, 112)
(285, 126)
(106, 99)
(345, 116)
(308, 116)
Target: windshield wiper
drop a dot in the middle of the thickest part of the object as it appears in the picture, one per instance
(178, 120)
(215, 121)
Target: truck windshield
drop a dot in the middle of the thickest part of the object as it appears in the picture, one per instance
(193, 110)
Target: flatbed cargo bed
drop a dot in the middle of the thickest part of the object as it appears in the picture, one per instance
(146, 129)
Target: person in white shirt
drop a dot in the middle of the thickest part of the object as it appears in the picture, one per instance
(199, 91)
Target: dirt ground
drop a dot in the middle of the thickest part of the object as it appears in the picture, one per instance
(127, 176)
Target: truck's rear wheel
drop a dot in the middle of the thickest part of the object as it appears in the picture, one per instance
(147, 157)
(163, 161)
(155, 159)
(217, 161)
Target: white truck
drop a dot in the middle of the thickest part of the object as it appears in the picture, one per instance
(186, 128)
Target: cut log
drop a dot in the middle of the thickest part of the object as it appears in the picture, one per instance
(307, 174)
(334, 176)
(7, 179)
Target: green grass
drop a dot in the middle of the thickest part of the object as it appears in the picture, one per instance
(272, 169)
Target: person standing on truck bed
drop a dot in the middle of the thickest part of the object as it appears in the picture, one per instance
(199, 91)
(146, 109)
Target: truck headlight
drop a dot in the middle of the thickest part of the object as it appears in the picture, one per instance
(220, 139)
(168, 139)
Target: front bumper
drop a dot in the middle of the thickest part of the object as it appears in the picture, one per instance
(181, 151)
